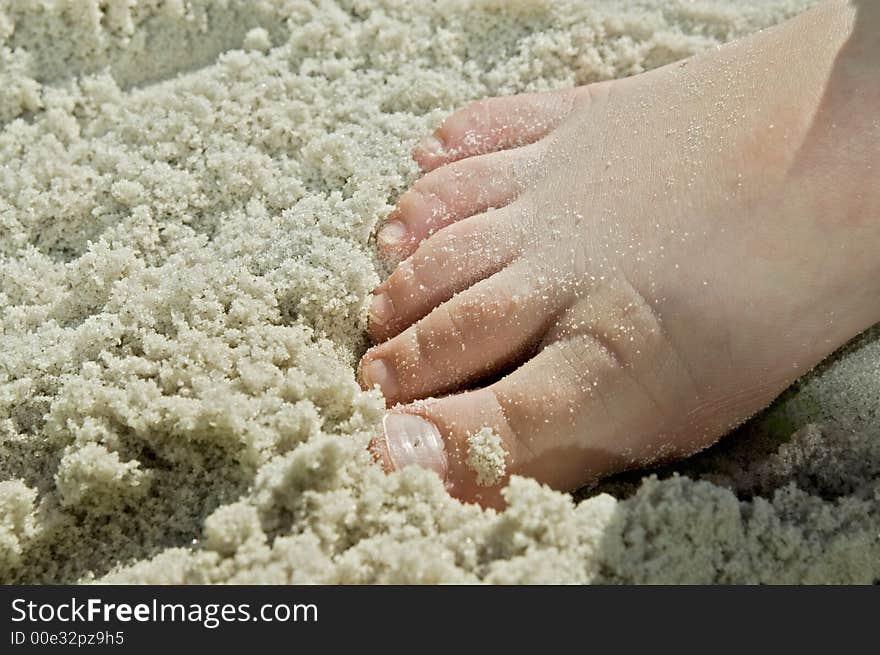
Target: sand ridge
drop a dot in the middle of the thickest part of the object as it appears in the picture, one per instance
(188, 197)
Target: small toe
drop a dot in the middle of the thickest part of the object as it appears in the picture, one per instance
(495, 124)
(471, 336)
(452, 193)
(450, 261)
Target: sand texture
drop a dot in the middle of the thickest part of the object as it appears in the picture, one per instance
(188, 196)
(485, 457)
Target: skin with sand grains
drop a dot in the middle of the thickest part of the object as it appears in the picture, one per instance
(583, 248)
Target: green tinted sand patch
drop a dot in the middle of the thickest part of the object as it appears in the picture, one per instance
(188, 193)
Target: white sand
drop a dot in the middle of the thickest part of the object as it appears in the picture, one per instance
(486, 457)
(187, 197)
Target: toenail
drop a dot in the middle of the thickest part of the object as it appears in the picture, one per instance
(381, 309)
(431, 145)
(392, 234)
(412, 440)
(378, 372)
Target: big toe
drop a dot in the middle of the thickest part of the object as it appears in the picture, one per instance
(464, 439)
(583, 407)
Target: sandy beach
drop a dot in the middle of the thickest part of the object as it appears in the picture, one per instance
(189, 195)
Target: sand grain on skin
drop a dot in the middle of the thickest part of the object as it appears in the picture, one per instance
(486, 457)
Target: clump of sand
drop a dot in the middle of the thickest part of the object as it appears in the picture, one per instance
(485, 457)
(188, 193)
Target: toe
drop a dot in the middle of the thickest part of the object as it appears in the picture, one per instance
(450, 261)
(454, 192)
(578, 410)
(474, 334)
(495, 124)
(436, 434)
(537, 412)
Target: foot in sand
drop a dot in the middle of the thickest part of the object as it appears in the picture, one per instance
(616, 275)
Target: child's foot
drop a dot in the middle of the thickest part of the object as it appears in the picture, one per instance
(647, 262)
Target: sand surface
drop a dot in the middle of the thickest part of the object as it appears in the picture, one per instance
(188, 196)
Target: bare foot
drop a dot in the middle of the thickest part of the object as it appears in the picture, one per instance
(621, 273)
